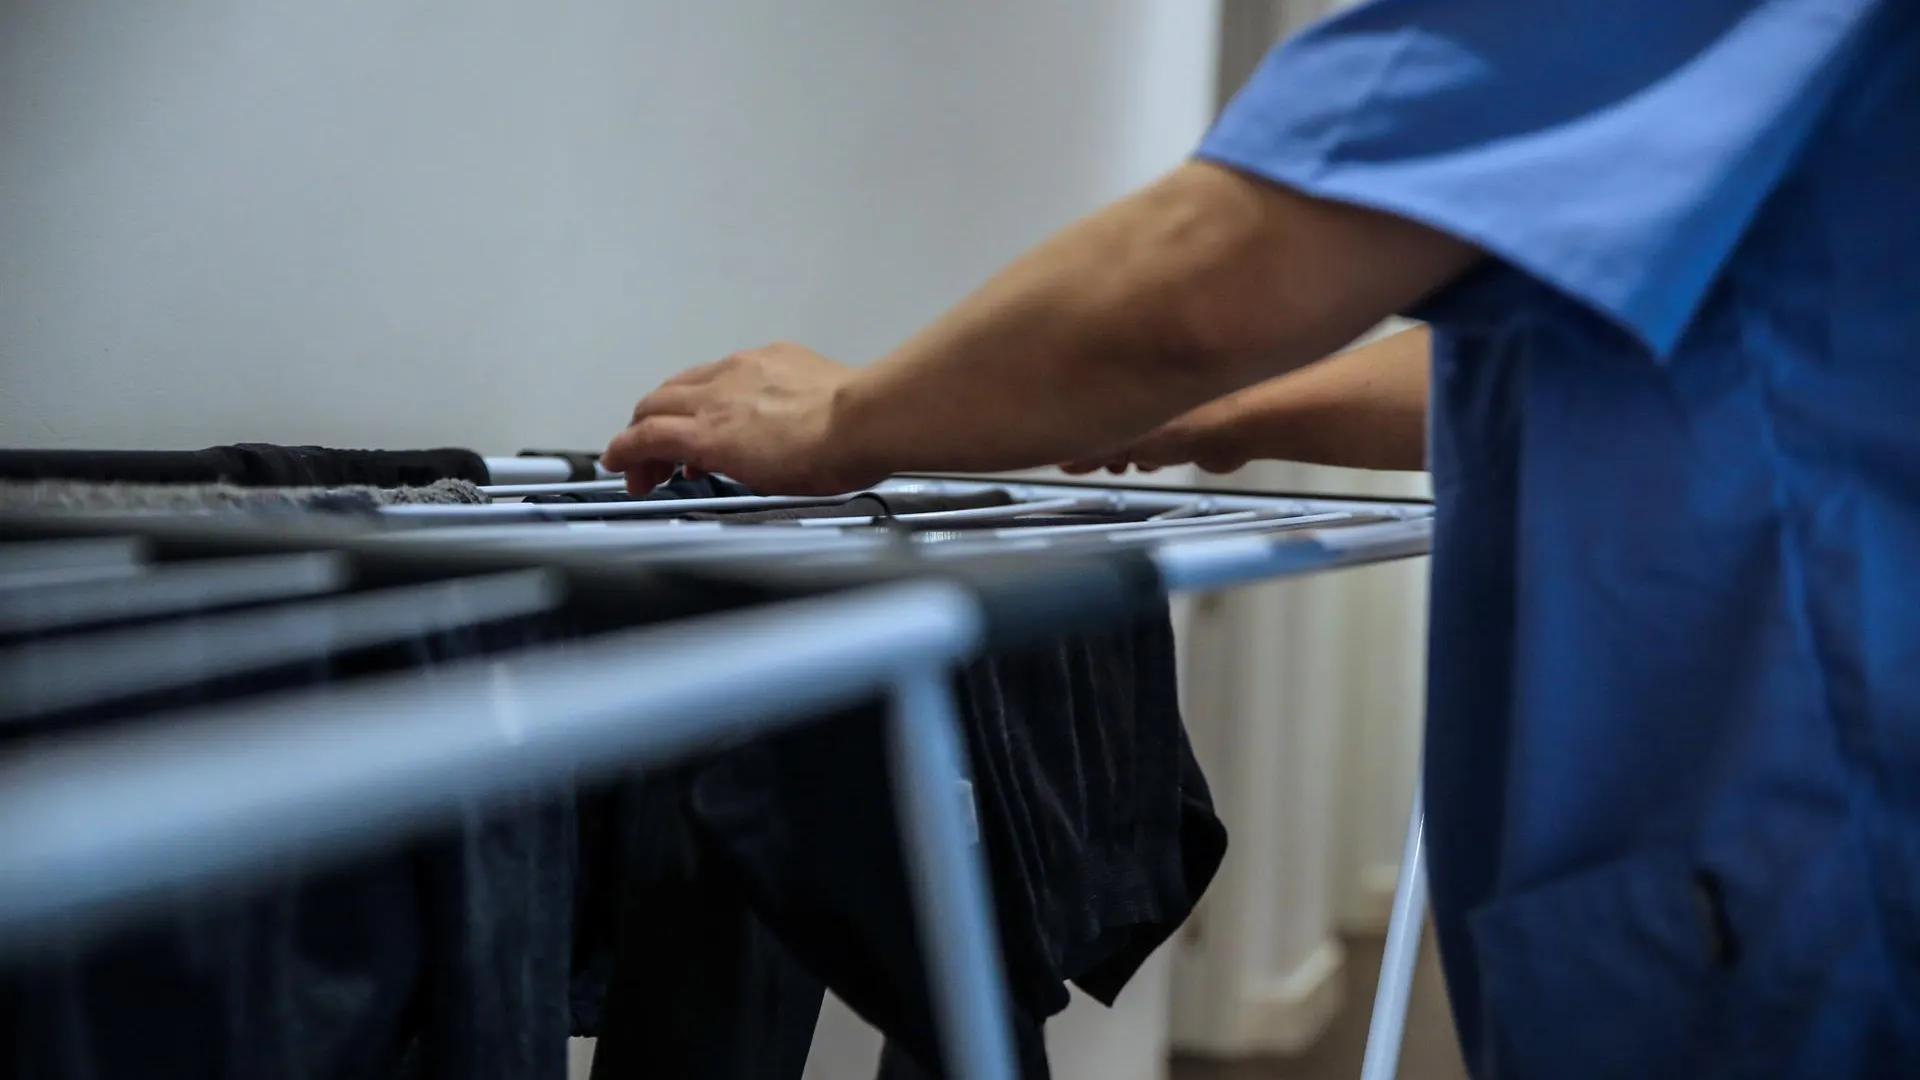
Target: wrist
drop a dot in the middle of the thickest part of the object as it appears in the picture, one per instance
(855, 435)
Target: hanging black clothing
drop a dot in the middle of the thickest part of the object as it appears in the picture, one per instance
(443, 958)
(1099, 833)
(691, 916)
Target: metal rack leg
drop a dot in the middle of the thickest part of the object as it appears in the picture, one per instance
(1389, 1022)
(949, 882)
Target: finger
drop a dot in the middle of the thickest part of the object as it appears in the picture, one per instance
(1155, 458)
(648, 477)
(653, 441)
(1115, 462)
(669, 400)
(677, 393)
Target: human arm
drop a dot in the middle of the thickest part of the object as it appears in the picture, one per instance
(1202, 284)
(1365, 408)
(1491, 124)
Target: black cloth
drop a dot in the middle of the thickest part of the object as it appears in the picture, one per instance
(249, 465)
(868, 504)
(707, 487)
(1099, 832)
(700, 986)
(690, 918)
(444, 958)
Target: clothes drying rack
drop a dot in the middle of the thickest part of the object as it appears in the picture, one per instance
(101, 826)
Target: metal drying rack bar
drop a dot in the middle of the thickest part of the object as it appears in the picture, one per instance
(303, 784)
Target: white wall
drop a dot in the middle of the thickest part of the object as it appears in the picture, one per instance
(495, 224)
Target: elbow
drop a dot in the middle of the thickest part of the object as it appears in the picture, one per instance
(1238, 289)
(1263, 279)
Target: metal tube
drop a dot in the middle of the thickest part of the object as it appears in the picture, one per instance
(78, 671)
(1219, 525)
(978, 513)
(41, 556)
(1222, 563)
(1121, 499)
(563, 487)
(168, 589)
(1157, 498)
(99, 825)
(634, 508)
(527, 470)
(559, 535)
(1387, 1030)
(948, 876)
(60, 562)
(1237, 517)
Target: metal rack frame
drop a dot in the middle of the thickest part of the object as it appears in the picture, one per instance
(307, 784)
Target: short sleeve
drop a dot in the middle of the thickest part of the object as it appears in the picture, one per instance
(1616, 150)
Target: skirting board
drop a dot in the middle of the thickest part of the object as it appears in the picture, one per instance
(1280, 1016)
(1369, 907)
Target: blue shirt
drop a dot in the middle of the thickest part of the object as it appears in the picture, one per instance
(1673, 743)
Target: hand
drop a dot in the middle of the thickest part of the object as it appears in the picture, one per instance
(1205, 437)
(762, 417)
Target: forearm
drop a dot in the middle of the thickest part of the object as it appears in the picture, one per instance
(1198, 286)
(1365, 408)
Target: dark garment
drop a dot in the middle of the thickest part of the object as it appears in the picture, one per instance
(315, 980)
(1098, 828)
(699, 986)
(439, 959)
(865, 505)
(498, 915)
(249, 465)
(869, 504)
(710, 904)
(707, 487)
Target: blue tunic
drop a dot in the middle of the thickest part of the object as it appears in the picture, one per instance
(1673, 742)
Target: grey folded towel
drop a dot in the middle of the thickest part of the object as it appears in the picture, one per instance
(70, 495)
